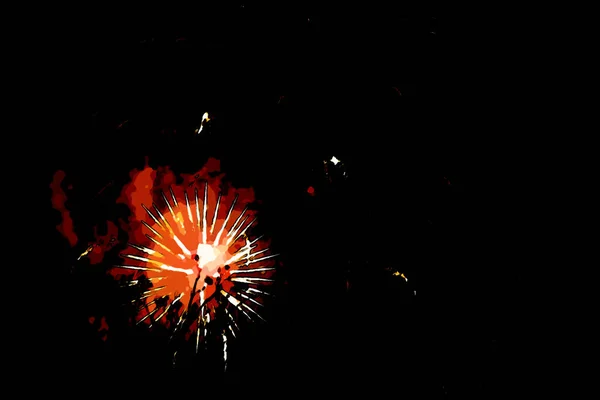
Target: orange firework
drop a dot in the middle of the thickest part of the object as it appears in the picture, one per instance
(199, 255)
(196, 263)
(194, 249)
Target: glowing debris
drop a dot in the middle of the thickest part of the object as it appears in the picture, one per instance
(86, 252)
(397, 273)
(205, 119)
(224, 336)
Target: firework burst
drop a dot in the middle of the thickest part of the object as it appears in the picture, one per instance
(200, 264)
(192, 261)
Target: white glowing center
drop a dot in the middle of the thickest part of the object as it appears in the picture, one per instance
(207, 254)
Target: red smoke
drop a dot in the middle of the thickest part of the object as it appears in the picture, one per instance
(59, 199)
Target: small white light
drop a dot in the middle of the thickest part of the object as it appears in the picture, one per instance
(205, 117)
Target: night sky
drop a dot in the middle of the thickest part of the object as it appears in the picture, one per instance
(390, 93)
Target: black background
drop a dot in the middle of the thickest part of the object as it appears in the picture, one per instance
(395, 94)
